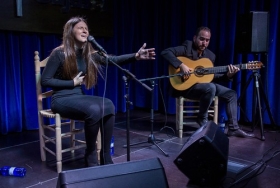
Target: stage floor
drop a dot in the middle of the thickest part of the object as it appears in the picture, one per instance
(257, 161)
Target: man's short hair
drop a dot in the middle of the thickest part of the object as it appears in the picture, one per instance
(202, 28)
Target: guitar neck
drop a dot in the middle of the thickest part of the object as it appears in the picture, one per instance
(222, 69)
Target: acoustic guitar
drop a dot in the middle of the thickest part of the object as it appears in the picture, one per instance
(202, 71)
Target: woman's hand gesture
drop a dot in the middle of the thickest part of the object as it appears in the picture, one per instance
(145, 54)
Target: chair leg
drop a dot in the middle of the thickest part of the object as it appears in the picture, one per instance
(180, 102)
(42, 141)
(216, 102)
(179, 116)
(98, 144)
(58, 143)
(72, 139)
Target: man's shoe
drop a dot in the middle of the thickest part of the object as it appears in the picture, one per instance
(239, 133)
(201, 122)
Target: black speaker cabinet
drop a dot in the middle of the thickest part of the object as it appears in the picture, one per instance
(252, 32)
(203, 158)
(137, 174)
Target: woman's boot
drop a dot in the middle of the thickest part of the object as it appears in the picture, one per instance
(91, 158)
(105, 158)
(91, 132)
(106, 132)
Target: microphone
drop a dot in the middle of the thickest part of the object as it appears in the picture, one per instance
(95, 44)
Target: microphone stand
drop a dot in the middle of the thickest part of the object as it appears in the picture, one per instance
(126, 78)
(257, 91)
(152, 139)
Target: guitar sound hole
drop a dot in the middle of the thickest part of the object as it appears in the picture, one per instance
(199, 71)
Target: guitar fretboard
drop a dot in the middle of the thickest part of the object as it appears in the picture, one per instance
(221, 69)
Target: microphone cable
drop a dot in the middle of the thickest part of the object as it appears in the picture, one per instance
(165, 115)
(103, 106)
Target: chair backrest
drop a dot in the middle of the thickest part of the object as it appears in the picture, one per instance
(38, 65)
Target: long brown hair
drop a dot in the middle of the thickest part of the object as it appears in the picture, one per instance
(70, 65)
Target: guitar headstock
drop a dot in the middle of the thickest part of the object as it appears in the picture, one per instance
(252, 65)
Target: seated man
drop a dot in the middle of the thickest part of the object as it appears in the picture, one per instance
(205, 92)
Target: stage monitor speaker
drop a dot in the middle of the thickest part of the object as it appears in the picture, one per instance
(137, 174)
(252, 32)
(203, 158)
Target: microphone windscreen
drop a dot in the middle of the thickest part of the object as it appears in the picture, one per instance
(90, 38)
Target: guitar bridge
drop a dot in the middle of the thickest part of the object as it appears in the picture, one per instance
(185, 77)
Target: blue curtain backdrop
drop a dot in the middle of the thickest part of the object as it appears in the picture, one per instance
(160, 24)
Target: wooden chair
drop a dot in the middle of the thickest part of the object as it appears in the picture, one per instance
(56, 133)
(184, 111)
